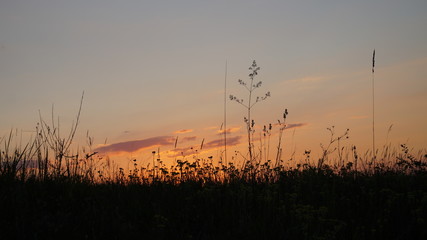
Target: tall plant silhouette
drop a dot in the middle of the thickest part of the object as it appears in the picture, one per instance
(373, 106)
(250, 87)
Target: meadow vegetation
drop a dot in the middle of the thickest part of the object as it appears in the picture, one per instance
(48, 190)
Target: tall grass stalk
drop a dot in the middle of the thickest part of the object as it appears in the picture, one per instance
(225, 114)
(282, 127)
(373, 106)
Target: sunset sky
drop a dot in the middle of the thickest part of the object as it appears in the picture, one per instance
(152, 71)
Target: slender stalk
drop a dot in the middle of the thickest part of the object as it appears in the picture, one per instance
(373, 105)
(225, 114)
(249, 120)
(282, 126)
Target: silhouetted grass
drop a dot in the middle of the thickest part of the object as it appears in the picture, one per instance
(201, 200)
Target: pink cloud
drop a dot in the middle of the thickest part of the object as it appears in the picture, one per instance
(229, 130)
(188, 139)
(232, 141)
(135, 145)
(183, 131)
(295, 125)
(292, 125)
(183, 151)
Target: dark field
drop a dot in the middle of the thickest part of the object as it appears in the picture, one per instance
(307, 203)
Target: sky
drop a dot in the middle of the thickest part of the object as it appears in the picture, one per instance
(153, 73)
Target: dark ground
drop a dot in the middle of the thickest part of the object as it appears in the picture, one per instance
(307, 204)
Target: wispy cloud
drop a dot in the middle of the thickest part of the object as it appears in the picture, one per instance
(232, 141)
(213, 127)
(135, 145)
(229, 130)
(184, 151)
(183, 131)
(217, 143)
(188, 139)
(295, 125)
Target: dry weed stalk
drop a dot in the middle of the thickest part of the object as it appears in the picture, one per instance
(250, 123)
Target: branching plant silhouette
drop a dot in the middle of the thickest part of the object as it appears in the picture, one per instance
(250, 123)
